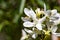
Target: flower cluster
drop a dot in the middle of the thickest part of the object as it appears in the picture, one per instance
(39, 23)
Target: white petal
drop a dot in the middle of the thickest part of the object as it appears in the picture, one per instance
(56, 22)
(44, 7)
(42, 19)
(34, 36)
(37, 10)
(28, 24)
(25, 19)
(23, 33)
(32, 14)
(54, 11)
(54, 29)
(57, 15)
(39, 26)
(27, 12)
(48, 12)
(57, 34)
(33, 28)
(28, 31)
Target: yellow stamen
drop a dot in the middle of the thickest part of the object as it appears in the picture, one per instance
(47, 32)
(39, 13)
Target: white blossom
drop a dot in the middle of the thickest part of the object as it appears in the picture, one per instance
(36, 23)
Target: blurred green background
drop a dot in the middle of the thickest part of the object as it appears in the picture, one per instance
(11, 12)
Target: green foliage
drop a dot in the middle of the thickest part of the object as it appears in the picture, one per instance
(1, 26)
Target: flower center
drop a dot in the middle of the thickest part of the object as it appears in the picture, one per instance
(40, 14)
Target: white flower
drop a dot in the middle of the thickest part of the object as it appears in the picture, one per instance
(51, 17)
(55, 17)
(35, 22)
(24, 35)
(31, 33)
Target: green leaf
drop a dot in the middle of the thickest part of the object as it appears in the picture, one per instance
(40, 2)
(4, 5)
(15, 20)
(17, 16)
(1, 12)
(1, 26)
(22, 6)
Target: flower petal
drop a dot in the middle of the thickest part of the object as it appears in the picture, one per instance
(56, 22)
(34, 36)
(44, 7)
(42, 19)
(48, 12)
(25, 19)
(27, 12)
(28, 31)
(24, 35)
(32, 14)
(28, 24)
(54, 29)
(39, 26)
(54, 11)
(57, 15)
(37, 10)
